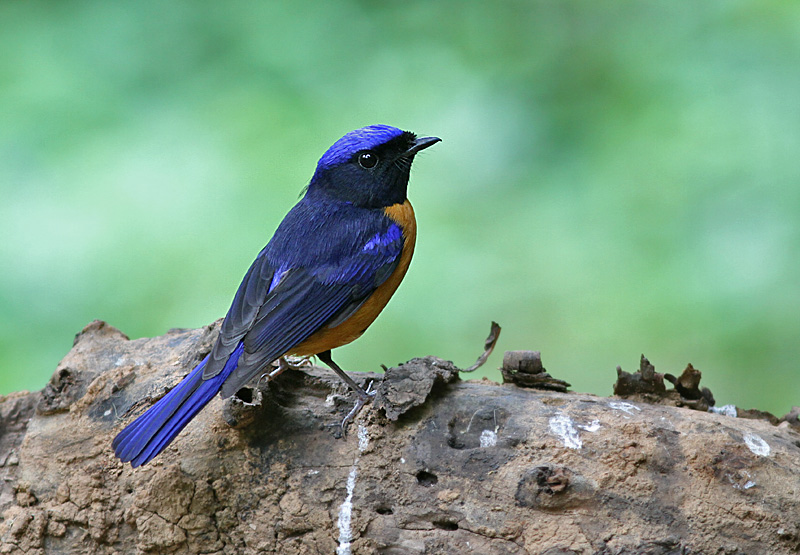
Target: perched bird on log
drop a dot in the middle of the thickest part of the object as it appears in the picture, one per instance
(330, 268)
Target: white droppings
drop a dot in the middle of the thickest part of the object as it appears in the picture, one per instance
(363, 438)
(402, 460)
(724, 410)
(562, 427)
(346, 509)
(757, 445)
(330, 400)
(627, 408)
(741, 480)
(107, 413)
(591, 427)
(667, 422)
(488, 438)
(346, 515)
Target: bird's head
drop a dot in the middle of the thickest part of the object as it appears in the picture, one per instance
(369, 167)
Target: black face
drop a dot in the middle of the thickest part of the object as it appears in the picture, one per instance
(371, 178)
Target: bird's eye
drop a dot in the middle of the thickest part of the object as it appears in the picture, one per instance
(367, 159)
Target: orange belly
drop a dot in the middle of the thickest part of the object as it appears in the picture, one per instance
(352, 328)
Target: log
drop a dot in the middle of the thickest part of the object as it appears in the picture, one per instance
(434, 465)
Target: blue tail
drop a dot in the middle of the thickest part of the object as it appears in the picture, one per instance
(148, 435)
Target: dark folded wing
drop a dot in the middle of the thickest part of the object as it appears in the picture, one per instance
(252, 292)
(301, 300)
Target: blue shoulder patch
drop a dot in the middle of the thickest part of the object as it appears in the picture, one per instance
(380, 241)
(368, 265)
(361, 139)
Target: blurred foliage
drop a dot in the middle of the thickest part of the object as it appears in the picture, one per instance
(614, 178)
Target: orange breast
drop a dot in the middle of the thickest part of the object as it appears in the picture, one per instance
(352, 328)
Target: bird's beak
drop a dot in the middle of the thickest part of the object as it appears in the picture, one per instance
(421, 144)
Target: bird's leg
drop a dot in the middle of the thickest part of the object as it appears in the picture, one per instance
(326, 358)
(363, 396)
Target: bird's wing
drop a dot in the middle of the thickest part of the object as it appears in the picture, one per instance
(297, 301)
(252, 292)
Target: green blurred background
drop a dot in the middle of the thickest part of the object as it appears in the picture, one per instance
(614, 178)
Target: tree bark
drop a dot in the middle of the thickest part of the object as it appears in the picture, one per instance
(434, 465)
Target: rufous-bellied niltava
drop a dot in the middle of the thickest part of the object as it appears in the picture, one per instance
(330, 268)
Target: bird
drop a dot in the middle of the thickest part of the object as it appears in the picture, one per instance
(329, 269)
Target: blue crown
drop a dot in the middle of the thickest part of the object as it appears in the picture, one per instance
(365, 138)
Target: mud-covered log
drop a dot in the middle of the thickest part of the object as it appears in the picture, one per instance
(460, 467)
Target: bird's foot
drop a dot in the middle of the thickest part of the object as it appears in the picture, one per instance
(364, 397)
(284, 364)
(296, 363)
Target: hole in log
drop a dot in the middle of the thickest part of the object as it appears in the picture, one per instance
(426, 478)
(245, 394)
(445, 525)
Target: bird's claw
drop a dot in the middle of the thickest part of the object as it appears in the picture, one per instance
(284, 364)
(364, 397)
(297, 362)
